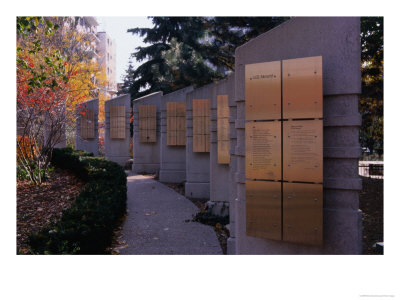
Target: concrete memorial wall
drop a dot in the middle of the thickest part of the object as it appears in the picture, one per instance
(222, 102)
(173, 137)
(117, 129)
(198, 142)
(146, 133)
(86, 130)
(296, 174)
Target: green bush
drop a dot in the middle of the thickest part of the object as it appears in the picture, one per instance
(87, 226)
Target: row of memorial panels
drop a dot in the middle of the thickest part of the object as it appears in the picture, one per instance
(275, 150)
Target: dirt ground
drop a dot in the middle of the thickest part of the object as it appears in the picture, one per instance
(371, 204)
(38, 206)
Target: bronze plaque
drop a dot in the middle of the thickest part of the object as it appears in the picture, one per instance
(180, 123)
(263, 150)
(302, 151)
(171, 123)
(263, 209)
(201, 125)
(117, 122)
(87, 124)
(263, 91)
(223, 152)
(147, 123)
(222, 106)
(302, 88)
(223, 129)
(176, 123)
(302, 213)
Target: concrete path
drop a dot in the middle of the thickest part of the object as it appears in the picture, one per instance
(159, 222)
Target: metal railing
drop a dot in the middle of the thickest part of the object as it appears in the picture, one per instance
(372, 169)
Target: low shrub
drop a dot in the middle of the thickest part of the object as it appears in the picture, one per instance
(87, 226)
(22, 174)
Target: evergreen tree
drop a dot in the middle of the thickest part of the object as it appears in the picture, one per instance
(371, 100)
(194, 51)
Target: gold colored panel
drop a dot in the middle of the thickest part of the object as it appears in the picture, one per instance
(90, 123)
(181, 138)
(181, 130)
(180, 123)
(198, 127)
(198, 143)
(87, 124)
(171, 123)
(148, 123)
(263, 91)
(263, 209)
(302, 151)
(181, 109)
(201, 125)
(84, 124)
(223, 129)
(222, 106)
(206, 124)
(207, 143)
(171, 109)
(223, 152)
(143, 136)
(152, 115)
(302, 88)
(117, 122)
(171, 138)
(302, 213)
(142, 111)
(201, 143)
(152, 133)
(263, 150)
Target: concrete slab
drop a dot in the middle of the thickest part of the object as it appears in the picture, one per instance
(117, 150)
(89, 145)
(146, 156)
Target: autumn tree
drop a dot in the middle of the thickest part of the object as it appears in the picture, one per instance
(41, 93)
(46, 105)
(78, 45)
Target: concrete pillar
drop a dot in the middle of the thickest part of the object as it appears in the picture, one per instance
(172, 158)
(146, 156)
(117, 150)
(337, 40)
(197, 163)
(220, 181)
(89, 145)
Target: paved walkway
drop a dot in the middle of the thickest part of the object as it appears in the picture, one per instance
(159, 222)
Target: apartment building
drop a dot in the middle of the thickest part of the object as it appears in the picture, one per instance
(106, 49)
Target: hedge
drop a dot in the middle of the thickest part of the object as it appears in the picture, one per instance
(87, 226)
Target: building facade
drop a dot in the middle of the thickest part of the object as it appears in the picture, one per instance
(106, 49)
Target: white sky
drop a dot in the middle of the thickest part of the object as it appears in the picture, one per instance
(126, 43)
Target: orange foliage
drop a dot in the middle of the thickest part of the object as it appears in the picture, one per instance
(26, 147)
